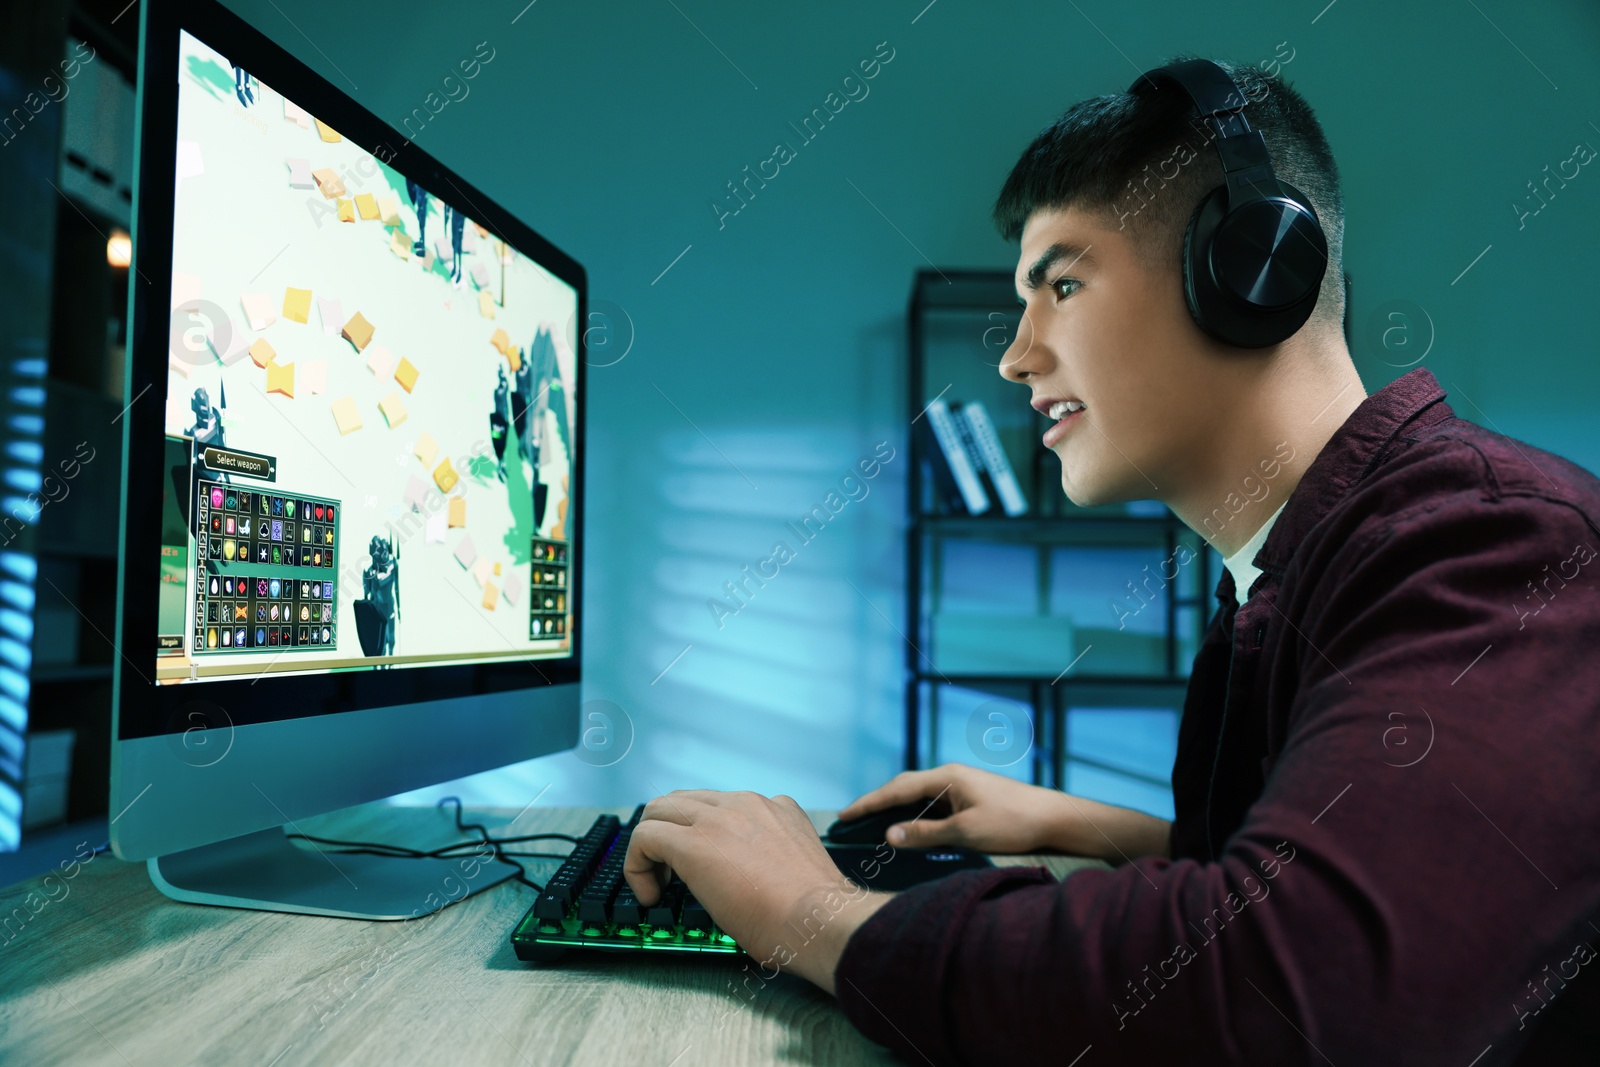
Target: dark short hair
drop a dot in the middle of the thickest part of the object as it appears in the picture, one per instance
(1114, 156)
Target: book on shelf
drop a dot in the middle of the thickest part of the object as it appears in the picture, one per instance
(954, 473)
(947, 495)
(990, 458)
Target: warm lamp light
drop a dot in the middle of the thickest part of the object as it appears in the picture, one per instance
(119, 248)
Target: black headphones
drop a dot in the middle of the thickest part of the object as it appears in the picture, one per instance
(1254, 253)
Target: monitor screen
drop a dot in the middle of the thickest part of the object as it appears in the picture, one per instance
(370, 415)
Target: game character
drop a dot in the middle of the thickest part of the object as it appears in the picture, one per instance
(457, 222)
(378, 614)
(524, 423)
(521, 400)
(498, 421)
(541, 368)
(207, 428)
(419, 201)
(205, 433)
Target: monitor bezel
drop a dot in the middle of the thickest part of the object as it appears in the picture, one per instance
(170, 708)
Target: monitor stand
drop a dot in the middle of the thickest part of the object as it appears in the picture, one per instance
(268, 872)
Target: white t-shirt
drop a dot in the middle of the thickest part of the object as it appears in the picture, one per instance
(1239, 564)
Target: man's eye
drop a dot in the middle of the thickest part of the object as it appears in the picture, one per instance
(1055, 287)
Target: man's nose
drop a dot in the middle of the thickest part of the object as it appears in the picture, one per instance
(1021, 358)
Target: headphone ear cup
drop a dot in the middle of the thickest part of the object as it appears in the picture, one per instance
(1232, 244)
(1198, 294)
(1301, 259)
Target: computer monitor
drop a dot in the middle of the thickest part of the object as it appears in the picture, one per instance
(352, 479)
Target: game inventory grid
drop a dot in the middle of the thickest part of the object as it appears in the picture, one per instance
(264, 575)
(548, 605)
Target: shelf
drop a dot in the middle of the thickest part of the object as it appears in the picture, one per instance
(1083, 515)
(1117, 769)
(1026, 679)
(1131, 530)
(963, 290)
(68, 550)
(69, 672)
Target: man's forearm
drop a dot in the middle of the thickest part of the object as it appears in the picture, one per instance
(816, 958)
(1085, 827)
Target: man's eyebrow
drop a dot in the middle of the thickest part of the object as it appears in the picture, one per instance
(1053, 255)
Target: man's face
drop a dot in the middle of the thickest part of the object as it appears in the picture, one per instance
(1101, 327)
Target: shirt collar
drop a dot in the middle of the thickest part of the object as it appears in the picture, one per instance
(1242, 563)
(1412, 400)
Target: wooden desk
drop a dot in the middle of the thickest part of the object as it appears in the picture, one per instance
(112, 972)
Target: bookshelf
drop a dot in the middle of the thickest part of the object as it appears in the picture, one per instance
(67, 181)
(1077, 625)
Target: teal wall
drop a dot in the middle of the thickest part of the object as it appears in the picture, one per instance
(770, 358)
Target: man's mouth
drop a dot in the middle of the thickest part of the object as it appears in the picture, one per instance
(1065, 413)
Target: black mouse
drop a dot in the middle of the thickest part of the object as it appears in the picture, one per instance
(870, 829)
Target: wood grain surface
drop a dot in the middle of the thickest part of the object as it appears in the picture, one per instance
(100, 968)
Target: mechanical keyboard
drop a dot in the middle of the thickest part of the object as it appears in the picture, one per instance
(587, 904)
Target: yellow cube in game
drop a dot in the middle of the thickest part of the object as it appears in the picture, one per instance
(406, 374)
(328, 182)
(358, 331)
(426, 448)
(296, 304)
(346, 414)
(445, 476)
(394, 412)
(280, 379)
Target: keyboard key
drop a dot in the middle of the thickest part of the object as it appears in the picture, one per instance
(549, 907)
(665, 912)
(594, 909)
(626, 909)
(695, 916)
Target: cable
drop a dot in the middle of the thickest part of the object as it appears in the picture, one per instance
(372, 847)
(499, 853)
(379, 848)
(540, 837)
(496, 844)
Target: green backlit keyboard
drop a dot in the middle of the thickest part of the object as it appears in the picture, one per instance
(588, 905)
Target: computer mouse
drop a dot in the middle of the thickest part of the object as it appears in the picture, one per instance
(870, 829)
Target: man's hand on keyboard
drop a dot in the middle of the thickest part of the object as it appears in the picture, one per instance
(992, 813)
(758, 866)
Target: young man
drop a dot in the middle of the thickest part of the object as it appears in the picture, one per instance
(1387, 837)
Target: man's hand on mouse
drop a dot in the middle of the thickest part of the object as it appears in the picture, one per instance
(758, 866)
(992, 813)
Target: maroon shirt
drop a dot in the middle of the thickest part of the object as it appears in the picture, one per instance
(1387, 837)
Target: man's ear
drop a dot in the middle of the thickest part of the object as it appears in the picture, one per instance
(1348, 342)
